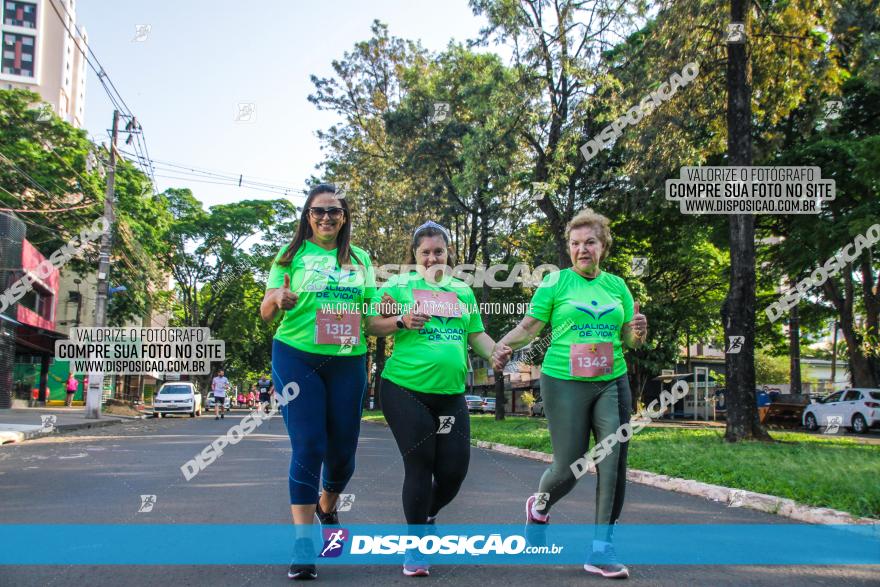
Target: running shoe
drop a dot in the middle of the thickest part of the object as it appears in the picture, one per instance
(536, 526)
(604, 562)
(303, 566)
(531, 516)
(414, 564)
(326, 518)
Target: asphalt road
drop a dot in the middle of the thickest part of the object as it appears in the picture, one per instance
(98, 476)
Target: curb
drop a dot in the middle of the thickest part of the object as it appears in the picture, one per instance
(732, 497)
(15, 437)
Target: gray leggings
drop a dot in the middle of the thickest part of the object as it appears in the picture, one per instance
(573, 409)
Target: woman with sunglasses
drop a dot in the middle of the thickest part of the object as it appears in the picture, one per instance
(319, 283)
(423, 383)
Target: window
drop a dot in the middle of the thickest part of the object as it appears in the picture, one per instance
(852, 396)
(23, 14)
(18, 54)
(834, 397)
(39, 301)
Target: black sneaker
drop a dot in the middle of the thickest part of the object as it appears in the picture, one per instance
(326, 518)
(604, 562)
(303, 566)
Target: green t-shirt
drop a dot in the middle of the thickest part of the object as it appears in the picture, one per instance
(432, 359)
(316, 277)
(582, 310)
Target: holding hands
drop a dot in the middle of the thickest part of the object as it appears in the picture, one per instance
(415, 319)
(501, 355)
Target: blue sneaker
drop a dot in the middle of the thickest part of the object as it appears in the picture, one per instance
(414, 564)
(603, 561)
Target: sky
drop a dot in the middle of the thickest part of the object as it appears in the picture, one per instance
(186, 77)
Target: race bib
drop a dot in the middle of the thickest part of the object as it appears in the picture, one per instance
(591, 360)
(337, 327)
(437, 303)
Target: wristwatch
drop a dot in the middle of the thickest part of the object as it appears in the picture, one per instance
(400, 323)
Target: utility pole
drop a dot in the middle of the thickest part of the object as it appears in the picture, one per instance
(96, 379)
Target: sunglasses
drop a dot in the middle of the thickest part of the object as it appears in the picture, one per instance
(317, 212)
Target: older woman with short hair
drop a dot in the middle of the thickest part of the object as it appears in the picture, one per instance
(583, 380)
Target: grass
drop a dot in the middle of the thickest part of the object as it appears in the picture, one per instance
(821, 471)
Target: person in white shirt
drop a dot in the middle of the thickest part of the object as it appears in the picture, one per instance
(219, 385)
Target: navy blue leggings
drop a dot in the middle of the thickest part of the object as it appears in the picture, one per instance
(323, 420)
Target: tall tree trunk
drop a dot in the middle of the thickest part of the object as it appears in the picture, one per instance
(794, 350)
(738, 310)
(862, 368)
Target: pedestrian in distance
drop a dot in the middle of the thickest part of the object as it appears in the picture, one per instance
(584, 378)
(319, 284)
(423, 383)
(264, 389)
(219, 385)
(72, 385)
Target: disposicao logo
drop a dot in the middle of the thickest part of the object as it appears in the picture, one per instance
(334, 542)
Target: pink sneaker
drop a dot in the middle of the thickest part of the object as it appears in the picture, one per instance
(531, 516)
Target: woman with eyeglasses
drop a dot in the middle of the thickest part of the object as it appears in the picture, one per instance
(319, 283)
(423, 383)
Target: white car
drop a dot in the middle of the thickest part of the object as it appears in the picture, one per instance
(857, 408)
(177, 397)
(227, 403)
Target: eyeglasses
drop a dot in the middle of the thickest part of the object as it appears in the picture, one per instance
(318, 212)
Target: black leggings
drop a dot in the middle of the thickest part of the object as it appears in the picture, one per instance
(435, 460)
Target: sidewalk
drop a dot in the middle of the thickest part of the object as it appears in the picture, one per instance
(20, 424)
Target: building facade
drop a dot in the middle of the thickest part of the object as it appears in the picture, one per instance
(42, 51)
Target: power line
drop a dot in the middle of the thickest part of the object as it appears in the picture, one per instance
(201, 175)
(115, 97)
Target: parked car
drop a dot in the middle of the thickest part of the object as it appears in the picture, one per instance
(858, 409)
(488, 406)
(227, 403)
(537, 408)
(474, 403)
(178, 397)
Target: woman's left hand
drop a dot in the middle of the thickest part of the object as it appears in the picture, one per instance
(639, 323)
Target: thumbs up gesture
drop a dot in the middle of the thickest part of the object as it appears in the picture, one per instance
(639, 322)
(284, 298)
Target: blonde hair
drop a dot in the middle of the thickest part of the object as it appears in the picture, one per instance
(600, 224)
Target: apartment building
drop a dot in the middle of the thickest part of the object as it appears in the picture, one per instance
(42, 51)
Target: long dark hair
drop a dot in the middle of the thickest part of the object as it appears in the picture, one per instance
(304, 230)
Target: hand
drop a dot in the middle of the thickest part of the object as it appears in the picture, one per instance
(501, 355)
(639, 323)
(415, 319)
(388, 306)
(284, 298)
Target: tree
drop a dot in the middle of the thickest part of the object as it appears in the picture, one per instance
(51, 176)
(560, 64)
(220, 283)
